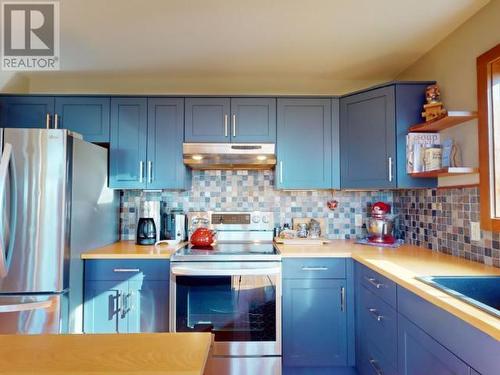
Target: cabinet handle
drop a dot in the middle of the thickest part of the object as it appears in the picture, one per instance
(56, 121)
(374, 282)
(141, 171)
(225, 125)
(375, 367)
(126, 270)
(281, 172)
(314, 268)
(47, 121)
(118, 301)
(342, 299)
(150, 171)
(234, 126)
(376, 315)
(390, 169)
(125, 304)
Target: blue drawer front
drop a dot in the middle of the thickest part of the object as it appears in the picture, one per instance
(373, 362)
(379, 325)
(124, 269)
(474, 347)
(314, 268)
(377, 284)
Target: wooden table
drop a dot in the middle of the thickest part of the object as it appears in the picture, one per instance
(148, 354)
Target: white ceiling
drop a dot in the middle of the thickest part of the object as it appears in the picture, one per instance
(331, 40)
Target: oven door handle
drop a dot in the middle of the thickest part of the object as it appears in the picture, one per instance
(178, 270)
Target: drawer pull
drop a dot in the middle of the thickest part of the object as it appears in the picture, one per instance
(126, 270)
(374, 282)
(376, 315)
(314, 268)
(375, 366)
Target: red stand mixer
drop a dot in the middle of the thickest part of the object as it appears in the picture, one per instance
(381, 224)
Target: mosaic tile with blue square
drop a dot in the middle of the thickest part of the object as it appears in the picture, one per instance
(254, 190)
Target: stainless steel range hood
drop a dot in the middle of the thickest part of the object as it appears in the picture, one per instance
(229, 155)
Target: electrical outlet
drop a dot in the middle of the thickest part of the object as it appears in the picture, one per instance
(358, 220)
(475, 231)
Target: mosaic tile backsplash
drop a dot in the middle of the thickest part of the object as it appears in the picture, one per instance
(254, 190)
(439, 219)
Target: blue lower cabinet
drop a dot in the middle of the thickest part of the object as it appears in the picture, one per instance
(126, 296)
(314, 323)
(420, 354)
(103, 311)
(148, 308)
(318, 321)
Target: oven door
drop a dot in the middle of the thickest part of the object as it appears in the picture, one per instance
(239, 302)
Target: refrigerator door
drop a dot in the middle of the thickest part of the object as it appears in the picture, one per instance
(8, 208)
(33, 314)
(39, 256)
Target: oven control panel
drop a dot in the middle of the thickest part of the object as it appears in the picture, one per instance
(232, 221)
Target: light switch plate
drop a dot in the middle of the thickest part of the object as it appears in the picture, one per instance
(475, 231)
(358, 220)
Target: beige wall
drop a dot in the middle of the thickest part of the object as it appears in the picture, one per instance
(208, 84)
(13, 83)
(452, 63)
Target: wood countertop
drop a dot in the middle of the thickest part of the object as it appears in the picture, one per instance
(403, 265)
(148, 354)
(129, 250)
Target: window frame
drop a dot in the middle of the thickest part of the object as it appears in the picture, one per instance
(488, 222)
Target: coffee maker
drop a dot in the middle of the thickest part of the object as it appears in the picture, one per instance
(149, 217)
(173, 226)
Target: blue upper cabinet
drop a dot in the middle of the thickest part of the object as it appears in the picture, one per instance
(253, 120)
(207, 120)
(367, 139)
(26, 111)
(88, 116)
(304, 145)
(128, 143)
(165, 167)
(373, 129)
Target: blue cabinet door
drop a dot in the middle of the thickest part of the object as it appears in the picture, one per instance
(128, 139)
(165, 166)
(314, 323)
(368, 140)
(419, 353)
(88, 116)
(207, 120)
(253, 120)
(304, 146)
(26, 111)
(148, 306)
(103, 308)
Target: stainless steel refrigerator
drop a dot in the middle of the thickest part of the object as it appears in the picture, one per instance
(54, 204)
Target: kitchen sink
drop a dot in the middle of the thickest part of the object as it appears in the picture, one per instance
(480, 291)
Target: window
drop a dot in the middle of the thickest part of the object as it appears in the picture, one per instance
(488, 83)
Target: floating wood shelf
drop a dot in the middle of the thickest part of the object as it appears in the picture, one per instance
(452, 119)
(445, 172)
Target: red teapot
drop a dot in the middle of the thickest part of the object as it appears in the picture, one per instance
(202, 237)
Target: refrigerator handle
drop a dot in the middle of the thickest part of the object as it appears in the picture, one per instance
(7, 164)
(27, 306)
